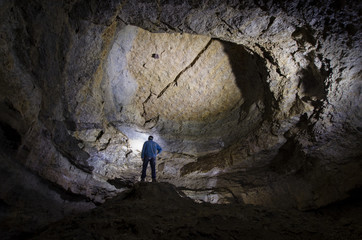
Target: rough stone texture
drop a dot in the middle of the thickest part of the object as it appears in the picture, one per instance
(169, 216)
(255, 102)
(29, 202)
(193, 92)
(304, 59)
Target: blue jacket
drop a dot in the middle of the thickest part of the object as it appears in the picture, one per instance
(150, 149)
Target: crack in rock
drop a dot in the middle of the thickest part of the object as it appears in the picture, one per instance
(105, 146)
(151, 122)
(144, 114)
(270, 58)
(174, 82)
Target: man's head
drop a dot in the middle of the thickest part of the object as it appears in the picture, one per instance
(150, 138)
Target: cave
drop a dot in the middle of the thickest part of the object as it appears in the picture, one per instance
(256, 105)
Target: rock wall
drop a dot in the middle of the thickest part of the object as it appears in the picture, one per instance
(256, 102)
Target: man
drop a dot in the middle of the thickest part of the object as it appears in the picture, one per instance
(149, 152)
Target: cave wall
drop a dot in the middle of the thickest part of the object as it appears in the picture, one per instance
(72, 87)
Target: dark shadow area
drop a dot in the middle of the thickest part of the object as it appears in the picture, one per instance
(121, 183)
(29, 202)
(302, 34)
(312, 83)
(354, 200)
(288, 158)
(251, 75)
(68, 146)
(250, 72)
(205, 163)
(10, 139)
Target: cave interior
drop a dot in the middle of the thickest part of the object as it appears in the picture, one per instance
(256, 105)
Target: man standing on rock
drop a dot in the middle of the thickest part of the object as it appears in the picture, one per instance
(149, 153)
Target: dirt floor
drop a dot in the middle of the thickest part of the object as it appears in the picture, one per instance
(157, 211)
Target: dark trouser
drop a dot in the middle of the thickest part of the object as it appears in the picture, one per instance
(153, 167)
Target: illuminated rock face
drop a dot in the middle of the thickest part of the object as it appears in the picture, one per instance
(251, 103)
(194, 95)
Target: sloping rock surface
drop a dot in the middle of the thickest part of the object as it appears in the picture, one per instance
(159, 211)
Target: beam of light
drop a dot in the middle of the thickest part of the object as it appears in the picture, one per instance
(137, 137)
(136, 144)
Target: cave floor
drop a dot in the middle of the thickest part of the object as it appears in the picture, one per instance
(157, 211)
